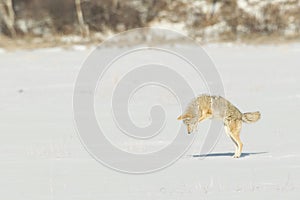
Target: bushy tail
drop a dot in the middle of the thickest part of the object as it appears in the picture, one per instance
(251, 117)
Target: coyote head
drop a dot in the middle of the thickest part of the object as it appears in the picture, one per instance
(190, 122)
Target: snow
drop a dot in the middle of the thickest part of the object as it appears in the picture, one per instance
(71, 38)
(214, 31)
(179, 27)
(79, 47)
(41, 156)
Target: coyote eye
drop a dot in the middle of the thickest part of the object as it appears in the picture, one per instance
(187, 122)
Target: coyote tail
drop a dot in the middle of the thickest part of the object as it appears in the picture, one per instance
(251, 117)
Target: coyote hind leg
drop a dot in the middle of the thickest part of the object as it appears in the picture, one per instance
(238, 151)
(233, 129)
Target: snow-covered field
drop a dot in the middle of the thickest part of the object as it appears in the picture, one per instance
(41, 156)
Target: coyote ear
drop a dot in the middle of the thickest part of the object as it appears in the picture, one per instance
(184, 116)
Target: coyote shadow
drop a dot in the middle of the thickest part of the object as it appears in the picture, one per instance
(226, 154)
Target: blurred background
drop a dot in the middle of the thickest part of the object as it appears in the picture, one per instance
(34, 23)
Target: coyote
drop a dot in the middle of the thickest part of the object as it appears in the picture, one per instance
(206, 106)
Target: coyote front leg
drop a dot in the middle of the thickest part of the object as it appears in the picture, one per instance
(204, 114)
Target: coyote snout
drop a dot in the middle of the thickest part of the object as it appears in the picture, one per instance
(189, 121)
(205, 106)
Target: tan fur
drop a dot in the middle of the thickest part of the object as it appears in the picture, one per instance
(216, 107)
(251, 117)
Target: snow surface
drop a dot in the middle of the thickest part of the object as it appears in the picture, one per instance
(41, 156)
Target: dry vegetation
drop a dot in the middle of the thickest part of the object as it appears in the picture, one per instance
(24, 22)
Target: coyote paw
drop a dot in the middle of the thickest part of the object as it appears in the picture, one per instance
(236, 156)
